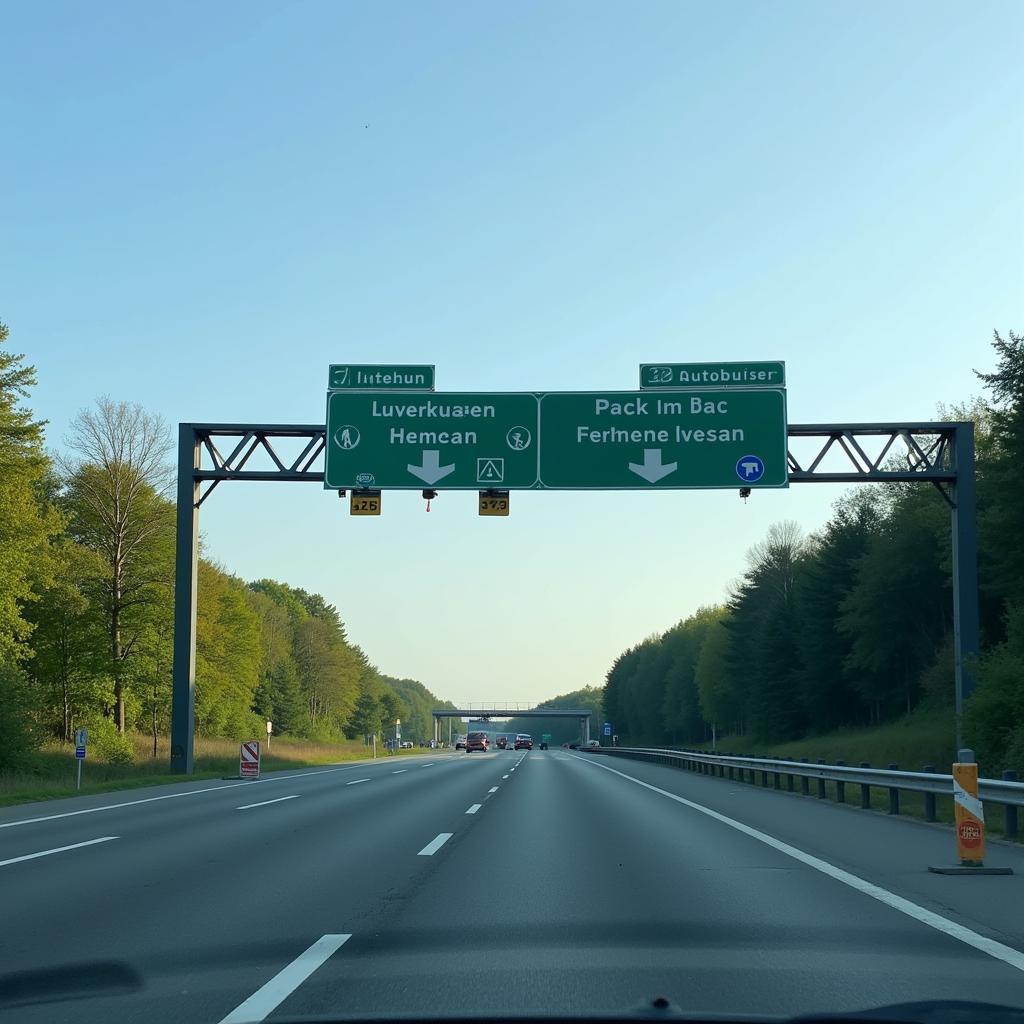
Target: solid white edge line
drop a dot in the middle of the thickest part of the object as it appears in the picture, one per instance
(473, 808)
(174, 796)
(57, 849)
(355, 782)
(270, 996)
(493, 789)
(263, 803)
(435, 844)
(997, 950)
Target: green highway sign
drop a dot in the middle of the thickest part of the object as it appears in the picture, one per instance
(713, 375)
(359, 377)
(454, 441)
(682, 439)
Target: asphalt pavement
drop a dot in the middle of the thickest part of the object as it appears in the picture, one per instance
(487, 884)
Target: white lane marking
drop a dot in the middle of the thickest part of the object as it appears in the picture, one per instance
(493, 789)
(174, 796)
(473, 808)
(1009, 955)
(400, 770)
(435, 844)
(263, 803)
(504, 776)
(429, 764)
(355, 782)
(57, 849)
(268, 998)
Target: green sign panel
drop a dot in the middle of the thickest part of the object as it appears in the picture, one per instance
(682, 439)
(454, 441)
(359, 377)
(713, 375)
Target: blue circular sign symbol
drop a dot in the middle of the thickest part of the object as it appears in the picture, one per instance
(750, 469)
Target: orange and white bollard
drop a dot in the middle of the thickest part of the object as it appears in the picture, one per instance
(969, 815)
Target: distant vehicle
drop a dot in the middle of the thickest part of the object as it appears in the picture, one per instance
(407, 744)
(592, 743)
(460, 742)
(574, 746)
(543, 745)
(502, 742)
(477, 741)
(523, 741)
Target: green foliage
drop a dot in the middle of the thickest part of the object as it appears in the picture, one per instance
(18, 728)
(109, 745)
(995, 712)
(27, 519)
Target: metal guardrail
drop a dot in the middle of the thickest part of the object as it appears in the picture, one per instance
(1007, 792)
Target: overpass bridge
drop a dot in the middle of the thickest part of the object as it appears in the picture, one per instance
(511, 709)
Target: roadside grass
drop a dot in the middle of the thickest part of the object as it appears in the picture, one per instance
(52, 774)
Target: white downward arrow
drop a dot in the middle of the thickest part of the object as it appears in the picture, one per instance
(652, 469)
(431, 471)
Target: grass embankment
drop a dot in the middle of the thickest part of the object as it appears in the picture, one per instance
(53, 773)
(917, 740)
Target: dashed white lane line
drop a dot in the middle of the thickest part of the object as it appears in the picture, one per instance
(355, 782)
(435, 844)
(174, 796)
(429, 764)
(1007, 954)
(268, 998)
(504, 776)
(473, 808)
(493, 789)
(400, 770)
(263, 803)
(56, 849)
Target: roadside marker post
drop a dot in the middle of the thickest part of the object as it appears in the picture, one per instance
(969, 817)
(81, 739)
(249, 760)
(270, 729)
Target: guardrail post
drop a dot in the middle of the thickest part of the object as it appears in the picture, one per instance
(776, 780)
(1010, 831)
(822, 794)
(865, 791)
(929, 798)
(840, 787)
(764, 777)
(894, 793)
(805, 782)
(789, 781)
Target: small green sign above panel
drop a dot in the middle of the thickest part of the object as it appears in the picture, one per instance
(453, 441)
(360, 377)
(713, 375)
(682, 439)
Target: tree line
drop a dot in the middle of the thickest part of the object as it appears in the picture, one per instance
(87, 595)
(852, 624)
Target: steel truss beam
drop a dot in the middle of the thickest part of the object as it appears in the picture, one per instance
(840, 453)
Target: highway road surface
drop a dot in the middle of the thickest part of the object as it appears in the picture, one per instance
(541, 882)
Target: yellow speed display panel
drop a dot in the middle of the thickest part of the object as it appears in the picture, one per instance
(493, 503)
(363, 503)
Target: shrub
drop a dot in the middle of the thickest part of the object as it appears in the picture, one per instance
(18, 726)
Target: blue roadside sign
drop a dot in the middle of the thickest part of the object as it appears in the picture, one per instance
(606, 729)
(80, 753)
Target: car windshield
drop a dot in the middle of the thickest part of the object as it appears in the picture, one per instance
(511, 509)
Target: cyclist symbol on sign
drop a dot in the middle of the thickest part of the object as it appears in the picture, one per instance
(518, 438)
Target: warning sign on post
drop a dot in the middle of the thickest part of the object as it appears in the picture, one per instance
(249, 760)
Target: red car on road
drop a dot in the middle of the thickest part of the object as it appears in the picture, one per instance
(477, 741)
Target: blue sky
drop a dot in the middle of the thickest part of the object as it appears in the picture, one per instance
(203, 205)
